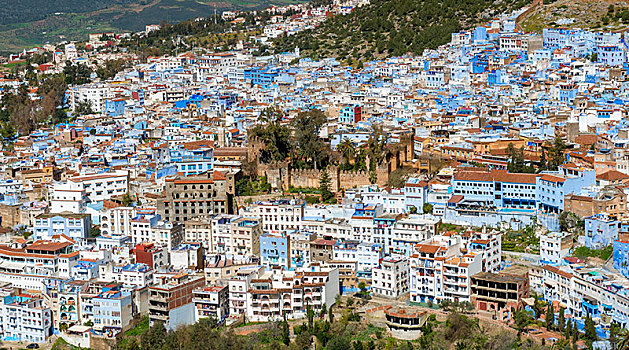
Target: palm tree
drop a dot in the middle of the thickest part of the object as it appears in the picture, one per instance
(347, 150)
(624, 342)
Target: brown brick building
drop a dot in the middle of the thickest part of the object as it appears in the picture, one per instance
(200, 195)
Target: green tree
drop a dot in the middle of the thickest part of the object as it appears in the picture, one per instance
(338, 343)
(127, 200)
(324, 187)
(516, 162)
(561, 319)
(377, 147)
(427, 208)
(94, 231)
(537, 308)
(550, 317)
(83, 108)
(522, 319)
(154, 337)
(274, 136)
(543, 163)
(373, 177)
(310, 315)
(285, 332)
(556, 154)
(110, 68)
(568, 330)
(76, 74)
(590, 329)
(614, 335)
(308, 146)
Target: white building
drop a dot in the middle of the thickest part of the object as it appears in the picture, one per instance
(278, 215)
(440, 270)
(68, 197)
(26, 318)
(239, 286)
(390, 280)
(279, 293)
(211, 302)
(554, 247)
(99, 187)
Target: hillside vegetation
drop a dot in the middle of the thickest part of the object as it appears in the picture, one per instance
(393, 28)
(606, 15)
(28, 23)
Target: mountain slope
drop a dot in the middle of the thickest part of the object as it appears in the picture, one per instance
(393, 27)
(27, 23)
(608, 15)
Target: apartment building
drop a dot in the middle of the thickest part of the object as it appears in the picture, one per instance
(586, 291)
(367, 256)
(554, 247)
(278, 293)
(42, 258)
(100, 187)
(199, 229)
(211, 302)
(408, 232)
(74, 226)
(500, 293)
(300, 247)
(170, 299)
(149, 229)
(200, 195)
(136, 274)
(391, 278)
(441, 268)
(25, 318)
(235, 235)
(68, 197)
(239, 286)
(275, 250)
(113, 311)
(116, 220)
(278, 215)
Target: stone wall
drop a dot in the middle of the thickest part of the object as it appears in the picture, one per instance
(281, 176)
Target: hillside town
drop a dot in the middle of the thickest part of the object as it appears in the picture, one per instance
(491, 173)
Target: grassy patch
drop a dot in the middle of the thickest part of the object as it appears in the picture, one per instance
(523, 241)
(585, 252)
(139, 329)
(370, 333)
(443, 227)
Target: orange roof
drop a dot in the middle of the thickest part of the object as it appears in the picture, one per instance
(612, 175)
(426, 248)
(552, 178)
(218, 176)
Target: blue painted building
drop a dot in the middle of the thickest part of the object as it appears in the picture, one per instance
(611, 55)
(350, 114)
(262, 77)
(112, 311)
(274, 249)
(621, 256)
(75, 226)
(115, 107)
(552, 187)
(600, 231)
